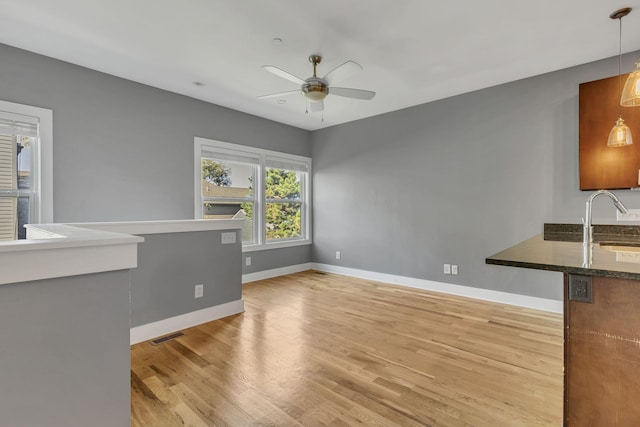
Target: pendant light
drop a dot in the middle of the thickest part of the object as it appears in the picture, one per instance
(620, 135)
(630, 96)
(631, 92)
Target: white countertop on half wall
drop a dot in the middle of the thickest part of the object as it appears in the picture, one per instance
(59, 250)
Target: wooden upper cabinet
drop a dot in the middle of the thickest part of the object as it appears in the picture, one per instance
(603, 167)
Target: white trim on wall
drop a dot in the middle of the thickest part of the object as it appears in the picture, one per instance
(173, 324)
(535, 303)
(166, 326)
(283, 271)
(163, 226)
(59, 250)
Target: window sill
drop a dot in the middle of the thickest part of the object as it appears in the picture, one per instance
(275, 245)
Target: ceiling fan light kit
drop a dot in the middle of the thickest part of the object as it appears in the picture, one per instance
(315, 89)
(315, 92)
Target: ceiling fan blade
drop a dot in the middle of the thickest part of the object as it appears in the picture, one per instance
(342, 72)
(282, 73)
(279, 94)
(316, 106)
(352, 93)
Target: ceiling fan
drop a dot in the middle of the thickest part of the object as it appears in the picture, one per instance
(315, 88)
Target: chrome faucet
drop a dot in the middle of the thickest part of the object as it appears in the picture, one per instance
(587, 230)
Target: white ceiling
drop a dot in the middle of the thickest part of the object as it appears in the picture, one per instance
(412, 51)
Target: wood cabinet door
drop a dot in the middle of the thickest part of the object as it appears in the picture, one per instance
(602, 355)
(603, 167)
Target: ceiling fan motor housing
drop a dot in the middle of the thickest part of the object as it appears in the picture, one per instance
(315, 89)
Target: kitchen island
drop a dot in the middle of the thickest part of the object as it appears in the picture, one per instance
(601, 317)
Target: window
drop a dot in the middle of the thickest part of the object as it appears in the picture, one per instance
(25, 168)
(284, 181)
(227, 182)
(268, 189)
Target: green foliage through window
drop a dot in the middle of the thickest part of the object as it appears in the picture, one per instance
(283, 210)
(267, 190)
(216, 173)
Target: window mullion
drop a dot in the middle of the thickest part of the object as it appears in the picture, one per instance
(262, 232)
(304, 194)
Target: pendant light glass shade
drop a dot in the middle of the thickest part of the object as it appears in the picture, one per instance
(620, 135)
(631, 93)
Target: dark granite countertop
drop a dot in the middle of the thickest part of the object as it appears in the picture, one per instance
(616, 252)
(601, 232)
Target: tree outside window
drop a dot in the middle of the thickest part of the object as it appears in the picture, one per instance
(269, 190)
(283, 209)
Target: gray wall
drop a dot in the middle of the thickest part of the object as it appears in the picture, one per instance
(122, 150)
(169, 267)
(276, 258)
(450, 181)
(65, 352)
(455, 181)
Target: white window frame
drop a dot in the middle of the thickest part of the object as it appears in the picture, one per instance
(260, 204)
(43, 158)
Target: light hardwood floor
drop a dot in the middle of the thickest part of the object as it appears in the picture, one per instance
(319, 349)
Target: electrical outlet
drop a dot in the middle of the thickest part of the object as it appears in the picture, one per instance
(580, 288)
(631, 215)
(454, 269)
(447, 269)
(247, 261)
(338, 255)
(199, 292)
(633, 257)
(228, 237)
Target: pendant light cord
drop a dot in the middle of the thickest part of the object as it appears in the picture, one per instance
(620, 67)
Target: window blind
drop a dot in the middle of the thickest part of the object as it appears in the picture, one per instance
(8, 186)
(234, 156)
(287, 164)
(8, 174)
(8, 218)
(18, 127)
(12, 127)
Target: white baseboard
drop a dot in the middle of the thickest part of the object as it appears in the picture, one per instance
(536, 303)
(174, 324)
(283, 271)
